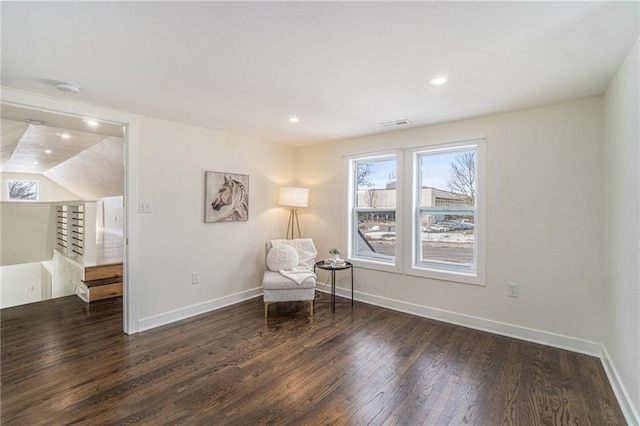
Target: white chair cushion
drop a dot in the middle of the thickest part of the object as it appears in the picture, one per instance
(273, 281)
(282, 257)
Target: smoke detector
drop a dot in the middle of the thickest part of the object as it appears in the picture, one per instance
(395, 123)
(68, 87)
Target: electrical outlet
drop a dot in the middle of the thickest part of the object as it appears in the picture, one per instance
(513, 290)
(195, 278)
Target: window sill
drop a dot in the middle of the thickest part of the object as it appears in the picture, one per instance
(457, 277)
(359, 262)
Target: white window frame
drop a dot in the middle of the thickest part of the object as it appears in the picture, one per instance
(35, 182)
(413, 265)
(351, 219)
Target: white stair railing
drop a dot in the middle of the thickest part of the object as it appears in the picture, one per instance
(76, 231)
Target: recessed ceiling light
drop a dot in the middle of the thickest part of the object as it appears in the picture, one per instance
(441, 79)
(47, 151)
(68, 87)
(91, 122)
(65, 136)
(35, 163)
(293, 119)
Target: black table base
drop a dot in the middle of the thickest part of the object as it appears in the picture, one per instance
(333, 269)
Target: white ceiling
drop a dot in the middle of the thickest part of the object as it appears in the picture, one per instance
(342, 67)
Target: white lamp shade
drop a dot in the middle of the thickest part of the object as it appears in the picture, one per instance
(294, 197)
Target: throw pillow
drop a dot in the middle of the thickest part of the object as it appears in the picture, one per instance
(283, 257)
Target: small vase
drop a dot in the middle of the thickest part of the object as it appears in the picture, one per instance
(334, 257)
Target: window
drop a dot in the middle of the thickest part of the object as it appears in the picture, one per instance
(446, 225)
(22, 190)
(373, 197)
(427, 222)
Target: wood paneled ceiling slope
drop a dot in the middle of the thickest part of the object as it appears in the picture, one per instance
(84, 160)
(341, 67)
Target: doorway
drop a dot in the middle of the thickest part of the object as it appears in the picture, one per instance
(63, 188)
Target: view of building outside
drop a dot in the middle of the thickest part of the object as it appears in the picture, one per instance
(446, 232)
(375, 207)
(448, 216)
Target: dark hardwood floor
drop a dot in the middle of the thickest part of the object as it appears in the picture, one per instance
(66, 362)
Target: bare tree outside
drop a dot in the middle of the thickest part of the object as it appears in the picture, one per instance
(362, 175)
(23, 190)
(370, 197)
(462, 177)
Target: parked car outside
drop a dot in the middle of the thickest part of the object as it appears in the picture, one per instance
(452, 226)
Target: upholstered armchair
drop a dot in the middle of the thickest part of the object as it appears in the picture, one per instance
(289, 276)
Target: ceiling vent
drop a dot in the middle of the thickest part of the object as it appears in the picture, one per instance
(395, 123)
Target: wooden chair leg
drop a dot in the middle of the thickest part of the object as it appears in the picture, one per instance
(266, 308)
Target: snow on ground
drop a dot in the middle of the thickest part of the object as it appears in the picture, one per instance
(380, 235)
(436, 237)
(448, 237)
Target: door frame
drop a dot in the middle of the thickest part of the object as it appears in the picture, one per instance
(130, 122)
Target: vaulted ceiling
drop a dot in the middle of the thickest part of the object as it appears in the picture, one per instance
(341, 67)
(84, 160)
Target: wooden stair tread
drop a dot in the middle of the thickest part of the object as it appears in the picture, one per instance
(102, 281)
(92, 273)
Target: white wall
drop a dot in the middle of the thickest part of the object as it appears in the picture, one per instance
(27, 232)
(622, 228)
(544, 217)
(27, 226)
(20, 284)
(175, 241)
(110, 212)
(33, 282)
(48, 189)
(65, 275)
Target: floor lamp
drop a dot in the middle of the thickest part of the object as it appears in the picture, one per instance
(294, 198)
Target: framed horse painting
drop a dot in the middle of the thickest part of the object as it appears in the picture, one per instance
(226, 197)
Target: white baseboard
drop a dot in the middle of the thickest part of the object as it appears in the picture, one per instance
(476, 323)
(626, 405)
(200, 308)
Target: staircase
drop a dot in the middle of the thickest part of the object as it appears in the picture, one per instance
(101, 282)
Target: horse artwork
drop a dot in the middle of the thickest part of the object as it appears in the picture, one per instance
(226, 197)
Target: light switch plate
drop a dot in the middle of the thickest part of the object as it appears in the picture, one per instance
(144, 206)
